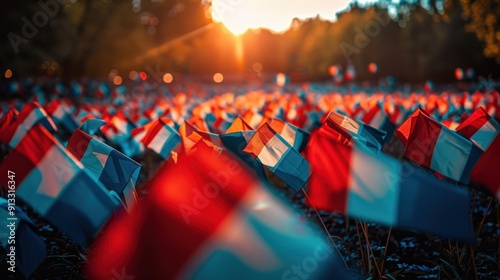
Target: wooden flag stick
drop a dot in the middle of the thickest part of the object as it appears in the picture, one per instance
(324, 226)
(385, 250)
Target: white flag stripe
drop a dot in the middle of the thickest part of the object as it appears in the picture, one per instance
(272, 152)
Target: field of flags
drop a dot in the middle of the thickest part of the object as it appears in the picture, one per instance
(205, 182)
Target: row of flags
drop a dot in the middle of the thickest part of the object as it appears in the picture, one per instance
(209, 218)
(379, 188)
(74, 167)
(56, 185)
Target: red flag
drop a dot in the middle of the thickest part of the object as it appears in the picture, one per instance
(485, 172)
(403, 131)
(207, 218)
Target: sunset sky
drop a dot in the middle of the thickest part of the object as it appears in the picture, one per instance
(276, 15)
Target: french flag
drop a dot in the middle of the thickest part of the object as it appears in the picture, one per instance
(101, 91)
(254, 119)
(377, 118)
(358, 112)
(210, 119)
(239, 125)
(199, 123)
(480, 128)
(60, 89)
(14, 125)
(92, 126)
(190, 135)
(76, 89)
(32, 113)
(117, 172)
(270, 149)
(370, 137)
(223, 122)
(382, 189)
(336, 133)
(61, 115)
(435, 146)
(55, 184)
(118, 131)
(122, 123)
(153, 112)
(404, 130)
(213, 221)
(139, 133)
(293, 135)
(399, 115)
(485, 173)
(161, 138)
(83, 114)
(12, 130)
(236, 139)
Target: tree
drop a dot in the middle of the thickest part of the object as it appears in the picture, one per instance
(483, 16)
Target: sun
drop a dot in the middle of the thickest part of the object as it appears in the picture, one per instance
(276, 15)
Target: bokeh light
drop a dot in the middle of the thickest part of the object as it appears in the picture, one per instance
(257, 67)
(168, 78)
(333, 70)
(373, 68)
(281, 79)
(8, 74)
(459, 74)
(133, 75)
(117, 80)
(218, 78)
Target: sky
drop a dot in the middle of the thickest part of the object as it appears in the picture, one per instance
(276, 15)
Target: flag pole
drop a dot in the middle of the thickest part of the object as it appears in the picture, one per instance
(362, 253)
(324, 226)
(364, 228)
(385, 251)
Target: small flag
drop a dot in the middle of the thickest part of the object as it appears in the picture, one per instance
(293, 135)
(12, 131)
(92, 126)
(370, 137)
(61, 115)
(32, 113)
(238, 125)
(404, 130)
(485, 173)
(161, 138)
(56, 186)
(434, 146)
(113, 169)
(377, 118)
(270, 149)
(236, 139)
(254, 119)
(223, 122)
(480, 128)
(190, 135)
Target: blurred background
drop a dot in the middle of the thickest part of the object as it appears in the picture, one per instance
(241, 41)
